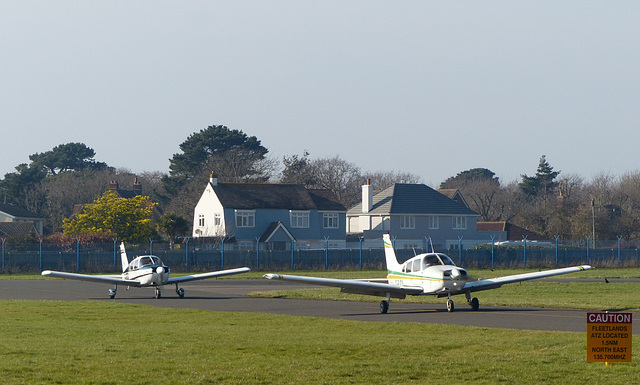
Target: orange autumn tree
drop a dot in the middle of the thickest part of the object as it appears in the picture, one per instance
(128, 219)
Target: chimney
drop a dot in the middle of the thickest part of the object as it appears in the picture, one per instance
(137, 187)
(113, 185)
(367, 197)
(212, 180)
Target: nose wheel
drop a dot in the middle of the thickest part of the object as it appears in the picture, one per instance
(158, 293)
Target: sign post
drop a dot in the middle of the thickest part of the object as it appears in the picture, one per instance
(609, 337)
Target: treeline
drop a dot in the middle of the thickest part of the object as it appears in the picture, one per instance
(56, 183)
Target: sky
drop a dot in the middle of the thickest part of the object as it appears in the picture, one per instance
(431, 88)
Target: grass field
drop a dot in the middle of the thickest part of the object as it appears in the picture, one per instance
(49, 342)
(112, 343)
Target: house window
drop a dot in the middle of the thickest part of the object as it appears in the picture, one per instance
(460, 223)
(201, 220)
(299, 219)
(245, 218)
(407, 222)
(216, 219)
(330, 220)
(434, 223)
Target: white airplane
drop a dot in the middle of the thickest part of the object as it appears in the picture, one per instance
(143, 271)
(425, 274)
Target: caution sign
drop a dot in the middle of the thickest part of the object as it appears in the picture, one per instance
(609, 337)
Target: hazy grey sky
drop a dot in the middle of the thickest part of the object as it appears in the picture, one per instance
(427, 87)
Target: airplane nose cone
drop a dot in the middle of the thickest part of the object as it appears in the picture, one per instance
(160, 270)
(455, 274)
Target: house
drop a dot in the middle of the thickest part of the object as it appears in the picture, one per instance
(413, 213)
(16, 221)
(275, 216)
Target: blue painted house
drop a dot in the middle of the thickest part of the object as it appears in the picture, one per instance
(275, 216)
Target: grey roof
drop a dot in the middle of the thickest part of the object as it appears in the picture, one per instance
(402, 198)
(13, 229)
(17, 212)
(275, 196)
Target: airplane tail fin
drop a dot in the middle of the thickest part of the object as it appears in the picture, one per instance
(123, 257)
(390, 254)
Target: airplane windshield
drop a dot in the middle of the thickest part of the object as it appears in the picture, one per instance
(436, 259)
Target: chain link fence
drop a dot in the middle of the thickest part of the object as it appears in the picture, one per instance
(196, 257)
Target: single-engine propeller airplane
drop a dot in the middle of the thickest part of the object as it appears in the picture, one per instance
(143, 271)
(425, 274)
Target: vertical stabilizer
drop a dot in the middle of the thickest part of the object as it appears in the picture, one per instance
(123, 257)
(390, 254)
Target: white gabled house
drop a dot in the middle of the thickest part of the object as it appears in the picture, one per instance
(275, 216)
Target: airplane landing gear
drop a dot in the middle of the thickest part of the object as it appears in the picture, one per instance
(473, 302)
(450, 306)
(158, 293)
(384, 307)
(179, 291)
(112, 292)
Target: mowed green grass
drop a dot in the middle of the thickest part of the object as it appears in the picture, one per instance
(47, 342)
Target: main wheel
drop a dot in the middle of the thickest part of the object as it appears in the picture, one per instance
(475, 304)
(384, 307)
(180, 292)
(450, 306)
(112, 294)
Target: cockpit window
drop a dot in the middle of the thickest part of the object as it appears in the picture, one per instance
(145, 261)
(446, 260)
(430, 260)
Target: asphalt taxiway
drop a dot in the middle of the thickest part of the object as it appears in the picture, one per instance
(231, 295)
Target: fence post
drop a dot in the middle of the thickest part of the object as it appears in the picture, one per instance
(186, 255)
(222, 254)
(587, 249)
(360, 238)
(257, 253)
(524, 239)
(493, 238)
(3, 239)
(150, 246)
(292, 252)
(619, 238)
(77, 254)
(459, 250)
(326, 253)
(115, 266)
(556, 236)
(40, 255)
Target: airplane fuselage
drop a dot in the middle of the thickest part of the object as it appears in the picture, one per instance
(148, 270)
(434, 273)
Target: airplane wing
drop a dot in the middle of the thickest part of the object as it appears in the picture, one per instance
(494, 283)
(354, 286)
(212, 274)
(113, 279)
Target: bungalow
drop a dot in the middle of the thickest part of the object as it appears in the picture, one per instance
(276, 216)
